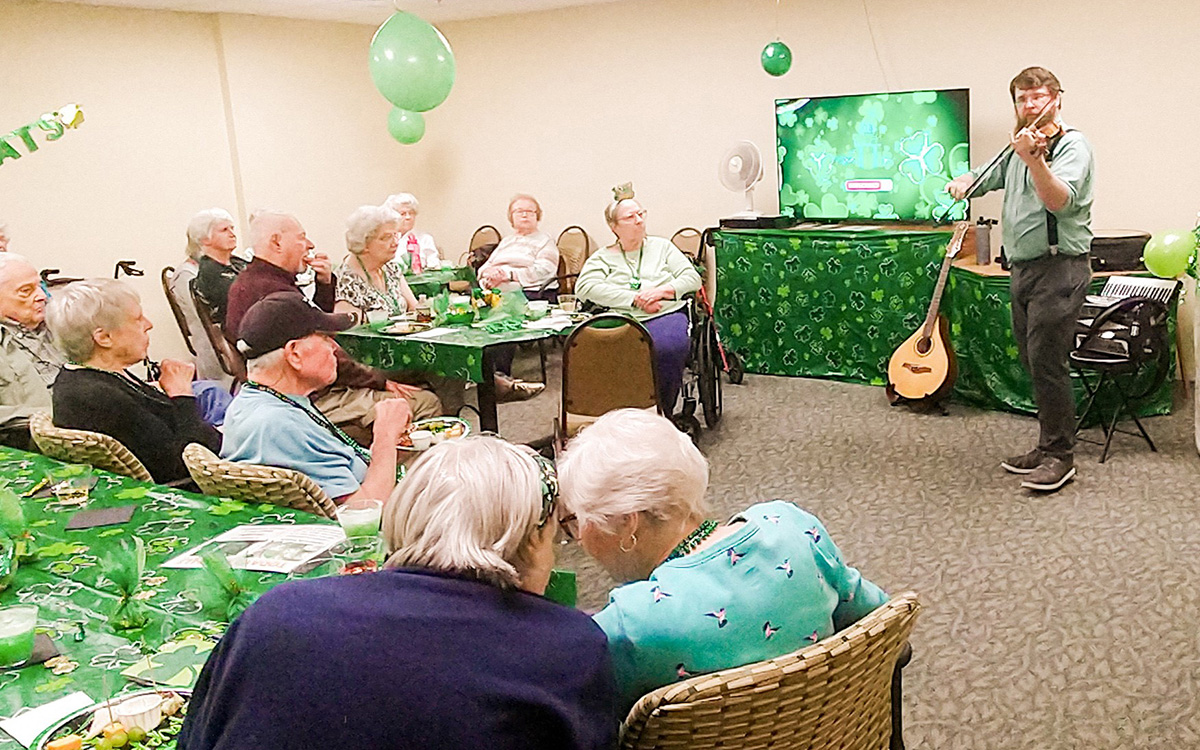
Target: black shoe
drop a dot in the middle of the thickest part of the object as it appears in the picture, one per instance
(1024, 464)
(1051, 475)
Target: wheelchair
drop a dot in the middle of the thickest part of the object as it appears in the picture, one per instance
(707, 359)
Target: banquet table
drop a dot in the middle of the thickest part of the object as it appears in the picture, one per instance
(66, 583)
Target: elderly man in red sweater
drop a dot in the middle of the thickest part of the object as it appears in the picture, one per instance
(281, 250)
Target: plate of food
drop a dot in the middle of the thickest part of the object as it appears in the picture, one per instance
(439, 429)
(405, 327)
(143, 719)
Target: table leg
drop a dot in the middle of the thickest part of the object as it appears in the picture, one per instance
(488, 422)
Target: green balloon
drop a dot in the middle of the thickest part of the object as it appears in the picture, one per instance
(776, 58)
(406, 127)
(411, 63)
(1167, 254)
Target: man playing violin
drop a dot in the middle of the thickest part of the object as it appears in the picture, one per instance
(1046, 227)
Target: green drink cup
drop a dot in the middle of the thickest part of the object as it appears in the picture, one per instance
(360, 517)
(16, 634)
(561, 587)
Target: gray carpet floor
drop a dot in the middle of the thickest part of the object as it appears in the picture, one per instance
(1049, 621)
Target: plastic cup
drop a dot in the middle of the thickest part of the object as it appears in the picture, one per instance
(70, 483)
(16, 634)
(561, 587)
(568, 302)
(360, 518)
(421, 439)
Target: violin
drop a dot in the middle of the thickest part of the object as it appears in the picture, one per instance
(1042, 132)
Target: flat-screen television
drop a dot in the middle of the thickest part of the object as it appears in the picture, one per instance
(872, 157)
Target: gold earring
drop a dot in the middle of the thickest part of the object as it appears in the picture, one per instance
(632, 543)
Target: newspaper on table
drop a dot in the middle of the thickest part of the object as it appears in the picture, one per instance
(270, 548)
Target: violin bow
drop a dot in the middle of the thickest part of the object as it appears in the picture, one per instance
(967, 196)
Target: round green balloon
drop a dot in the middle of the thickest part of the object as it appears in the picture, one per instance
(1167, 254)
(411, 63)
(776, 58)
(406, 127)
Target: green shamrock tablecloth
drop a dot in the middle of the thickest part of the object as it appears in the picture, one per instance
(65, 581)
(836, 304)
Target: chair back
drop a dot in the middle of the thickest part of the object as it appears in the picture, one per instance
(168, 274)
(231, 360)
(574, 247)
(834, 694)
(84, 447)
(483, 242)
(688, 242)
(590, 388)
(253, 483)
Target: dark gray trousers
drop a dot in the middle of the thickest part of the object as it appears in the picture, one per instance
(1047, 296)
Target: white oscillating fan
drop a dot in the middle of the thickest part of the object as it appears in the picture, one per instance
(739, 170)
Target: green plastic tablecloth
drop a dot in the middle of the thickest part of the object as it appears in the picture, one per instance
(836, 304)
(64, 580)
(431, 283)
(823, 303)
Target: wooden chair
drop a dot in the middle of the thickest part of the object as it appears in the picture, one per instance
(230, 359)
(168, 273)
(590, 388)
(837, 693)
(84, 447)
(253, 483)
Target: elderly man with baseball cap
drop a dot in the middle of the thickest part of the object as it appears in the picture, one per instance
(290, 355)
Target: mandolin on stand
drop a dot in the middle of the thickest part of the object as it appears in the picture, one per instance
(923, 368)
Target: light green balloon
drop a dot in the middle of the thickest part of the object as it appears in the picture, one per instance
(1167, 254)
(411, 63)
(406, 127)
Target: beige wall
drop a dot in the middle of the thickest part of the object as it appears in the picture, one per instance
(563, 104)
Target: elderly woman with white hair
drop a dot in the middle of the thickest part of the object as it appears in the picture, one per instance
(526, 259)
(451, 645)
(700, 595)
(413, 244)
(643, 273)
(370, 283)
(100, 327)
(211, 242)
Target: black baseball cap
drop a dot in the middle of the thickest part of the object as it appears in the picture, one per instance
(281, 317)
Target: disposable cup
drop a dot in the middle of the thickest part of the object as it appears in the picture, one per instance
(16, 634)
(360, 518)
(567, 302)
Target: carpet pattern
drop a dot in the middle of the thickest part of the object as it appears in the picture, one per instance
(1049, 621)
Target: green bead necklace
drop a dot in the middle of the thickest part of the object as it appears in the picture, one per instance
(693, 540)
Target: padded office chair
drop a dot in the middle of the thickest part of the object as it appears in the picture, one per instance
(253, 483)
(168, 274)
(231, 360)
(1127, 347)
(85, 447)
(841, 693)
(590, 388)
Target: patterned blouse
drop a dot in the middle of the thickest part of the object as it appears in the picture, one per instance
(353, 287)
(773, 586)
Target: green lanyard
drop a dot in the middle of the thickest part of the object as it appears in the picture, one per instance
(315, 416)
(636, 282)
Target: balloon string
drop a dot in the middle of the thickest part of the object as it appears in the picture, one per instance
(777, 37)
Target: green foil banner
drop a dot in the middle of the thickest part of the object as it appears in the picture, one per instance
(50, 126)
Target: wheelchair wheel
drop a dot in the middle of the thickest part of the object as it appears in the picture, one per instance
(708, 376)
(736, 373)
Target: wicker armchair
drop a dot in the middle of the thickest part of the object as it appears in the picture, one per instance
(254, 483)
(83, 447)
(833, 694)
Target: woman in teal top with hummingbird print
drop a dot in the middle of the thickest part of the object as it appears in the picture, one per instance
(700, 596)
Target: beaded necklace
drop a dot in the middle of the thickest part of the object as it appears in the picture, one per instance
(386, 292)
(635, 282)
(693, 540)
(317, 417)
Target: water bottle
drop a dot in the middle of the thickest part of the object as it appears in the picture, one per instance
(414, 254)
(983, 241)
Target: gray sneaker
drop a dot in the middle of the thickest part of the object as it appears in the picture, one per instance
(1024, 464)
(1051, 475)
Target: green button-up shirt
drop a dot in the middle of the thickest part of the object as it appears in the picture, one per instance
(1023, 218)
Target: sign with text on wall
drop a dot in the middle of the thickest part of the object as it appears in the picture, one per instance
(49, 127)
